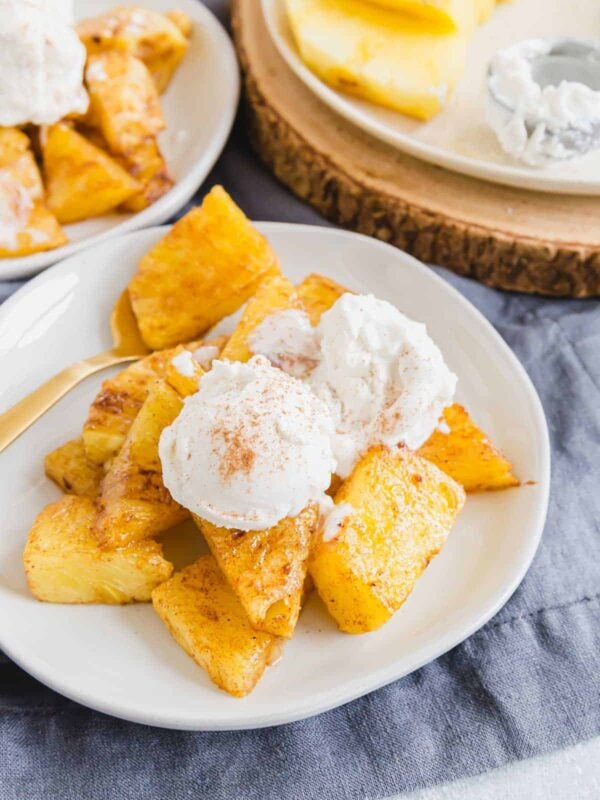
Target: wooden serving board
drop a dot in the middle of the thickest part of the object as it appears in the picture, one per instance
(504, 237)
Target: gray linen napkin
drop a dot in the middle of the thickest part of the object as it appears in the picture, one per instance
(525, 684)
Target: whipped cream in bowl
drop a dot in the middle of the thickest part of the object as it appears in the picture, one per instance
(543, 99)
(41, 63)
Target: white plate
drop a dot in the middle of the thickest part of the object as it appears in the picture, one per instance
(199, 108)
(122, 660)
(459, 137)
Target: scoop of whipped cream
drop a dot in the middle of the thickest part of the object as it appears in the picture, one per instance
(251, 447)
(538, 122)
(378, 372)
(41, 63)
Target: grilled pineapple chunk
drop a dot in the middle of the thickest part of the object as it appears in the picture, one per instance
(317, 294)
(70, 468)
(118, 402)
(181, 19)
(184, 373)
(467, 455)
(64, 563)
(211, 261)
(378, 55)
(133, 502)
(266, 569)
(401, 509)
(275, 294)
(445, 16)
(81, 180)
(123, 100)
(28, 226)
(158, 40)
(207, 621)
(146, 164)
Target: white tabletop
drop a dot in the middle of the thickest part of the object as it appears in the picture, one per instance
(571, 774)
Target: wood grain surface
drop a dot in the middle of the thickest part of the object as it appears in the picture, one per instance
(507, 238)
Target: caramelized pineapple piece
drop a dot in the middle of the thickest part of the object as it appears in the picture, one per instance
(400, 511)
(148, 167)
(386, 58)
(317, 294)
(157, 39)
(118, 402)
(184, 373)
(133, 502)
(123, 100)
(207, 621)
(81, 180)
(275, 294)
(28, 226)
(208, 265)
(467, 455)
(70, 468)
(266, 569)
(64, 563)
(182, 20)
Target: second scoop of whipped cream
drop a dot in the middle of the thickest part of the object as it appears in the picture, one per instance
(41, 63)
(379, 373)
(251, 447)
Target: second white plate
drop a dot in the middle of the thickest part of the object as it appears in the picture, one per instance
(459, 138)
(199, 108)
(122, 660)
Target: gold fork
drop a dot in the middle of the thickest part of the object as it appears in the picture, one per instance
(127, 346)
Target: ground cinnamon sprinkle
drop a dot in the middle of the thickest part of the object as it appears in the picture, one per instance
(239, 455)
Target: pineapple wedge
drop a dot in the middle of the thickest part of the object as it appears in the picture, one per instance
(28, 226)
(445, 16)
(266, 569)
(70, 468)
(317, 294)
(467, 455)
(81, 180)
(184, 375)
(123, 100)
(275, 294)
(64, 563)
(207, 621)
(378, 55)
(208, 265)
(146, 164)
(400, 511)
(133, 502)
(156, 39)
(118, 402)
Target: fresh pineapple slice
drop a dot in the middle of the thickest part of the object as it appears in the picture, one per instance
(378, 55)
(266, 569)
(157, 39)
(466, 454)
(207, 621)
(445, 16)
(123, 100)
(133, 502)
(399, 510)
(119, 400)
(317, 294)
(81, 180)
(64, 563)
(208, 265)
(70, 468)
(275, 294)
(28, 226)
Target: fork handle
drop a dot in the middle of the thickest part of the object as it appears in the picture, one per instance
(18, 418)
